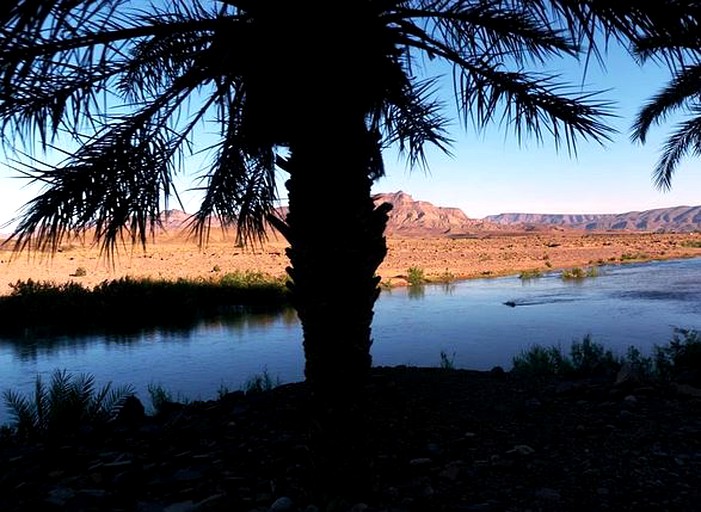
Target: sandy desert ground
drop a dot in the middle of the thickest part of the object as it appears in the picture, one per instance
(171, 257)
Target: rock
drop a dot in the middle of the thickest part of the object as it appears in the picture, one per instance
(687, 390)
(283, 504)
(185, 506)
(521, 449)
(420, 461)
(59, 496)
(547, 494)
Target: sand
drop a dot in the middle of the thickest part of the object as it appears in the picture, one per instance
(172, 257)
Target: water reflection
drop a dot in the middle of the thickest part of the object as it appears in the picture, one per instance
(416, 291)
(32, 346)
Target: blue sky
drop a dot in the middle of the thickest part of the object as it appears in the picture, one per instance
(489, 173)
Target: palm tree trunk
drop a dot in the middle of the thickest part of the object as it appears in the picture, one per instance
(336, 237)
(337, 242)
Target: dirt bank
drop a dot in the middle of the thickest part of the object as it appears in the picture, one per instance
(171, 257)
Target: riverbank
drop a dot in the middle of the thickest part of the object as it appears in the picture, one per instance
(440, 440)
(440, 258)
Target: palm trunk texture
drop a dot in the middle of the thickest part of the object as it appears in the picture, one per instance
(336, 237)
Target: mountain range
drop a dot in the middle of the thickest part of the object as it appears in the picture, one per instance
(410, 217)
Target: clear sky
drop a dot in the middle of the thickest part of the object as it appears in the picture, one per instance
(490, 173)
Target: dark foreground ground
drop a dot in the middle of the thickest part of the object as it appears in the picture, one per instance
(441, 440)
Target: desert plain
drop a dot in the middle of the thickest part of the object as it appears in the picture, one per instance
(171, 256)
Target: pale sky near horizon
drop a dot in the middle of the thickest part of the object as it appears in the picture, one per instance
(490, 174)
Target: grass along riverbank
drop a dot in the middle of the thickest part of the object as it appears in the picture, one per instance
(128, 304)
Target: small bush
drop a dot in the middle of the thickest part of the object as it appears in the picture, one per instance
(530, 274)
(578, 273)
(632, 256)
(591, 359)
(680, 359)
(692, 244)
(539, 361)
(415, 276)
(160, 397)
(80, 272)
(260, 382)
(447, 362)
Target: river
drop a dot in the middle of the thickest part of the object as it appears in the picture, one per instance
(633, 304)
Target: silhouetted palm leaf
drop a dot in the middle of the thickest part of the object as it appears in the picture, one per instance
(66, 404)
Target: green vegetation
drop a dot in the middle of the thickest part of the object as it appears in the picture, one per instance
(65, 406)
(692, 244)
(126, 304)
(447, 362)
(578, 273)
(679, 359)
(530, 274)
(260, 382)
(633, 256)
(415, 276)
(446, 277)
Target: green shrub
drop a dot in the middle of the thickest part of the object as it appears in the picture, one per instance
(679, 360)
(591, 359)
(578, 273)
(692, 244)
(415, 276)
(160, 397)
(66, 404)
(539, 361)
(447, 362)
(260, 382)
(530, 274)
(632, 256)
(681, 357)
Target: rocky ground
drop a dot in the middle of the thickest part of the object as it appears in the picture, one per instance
(440, 440)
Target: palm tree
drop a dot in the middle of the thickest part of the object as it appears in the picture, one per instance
(679, 46)
(318, 91)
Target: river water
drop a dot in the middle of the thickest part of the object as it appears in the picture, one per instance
(634, 304)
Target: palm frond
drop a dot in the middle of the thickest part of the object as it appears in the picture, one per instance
(494, 28)
(682, 89)
(532, 104)
(22, 412)
(239, 190)
(412, 119)
(685, 140)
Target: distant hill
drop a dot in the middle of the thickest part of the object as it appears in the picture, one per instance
(410, 217)
(675, 219)
(420, 218)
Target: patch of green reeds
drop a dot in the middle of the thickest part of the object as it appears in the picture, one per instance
(128, 303)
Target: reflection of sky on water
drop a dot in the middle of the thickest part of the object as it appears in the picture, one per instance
(636, 304)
